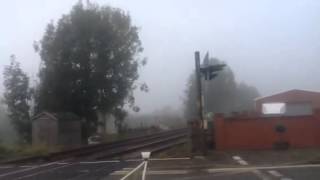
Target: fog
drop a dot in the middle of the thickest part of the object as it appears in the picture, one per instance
(273, 45)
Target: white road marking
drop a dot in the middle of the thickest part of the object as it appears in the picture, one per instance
(44, 171)
(28, 169)
(127, 169)
(275, 173)
(120, 172)
(255, 171)
(62, 163)
(6, 167)
(144, 170)
(169, 159)
(243, 162)
(27, 166)
(199, 157)
(99, 162)
(260, 175)
(240, 160)
(170, 172)
(84, 171)
(213, 170)
(131, 172)
(133, 160)
(237, 158)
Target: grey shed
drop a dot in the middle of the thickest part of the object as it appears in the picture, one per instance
(56, 129)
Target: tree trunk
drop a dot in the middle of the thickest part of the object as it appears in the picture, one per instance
(101, 122)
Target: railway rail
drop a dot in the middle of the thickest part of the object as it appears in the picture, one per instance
(154, 142)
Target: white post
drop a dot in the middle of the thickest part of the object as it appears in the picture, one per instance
(145, 156)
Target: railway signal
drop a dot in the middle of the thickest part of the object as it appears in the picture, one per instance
(209, 72)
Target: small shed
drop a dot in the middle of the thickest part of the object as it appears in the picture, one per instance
(56, 129)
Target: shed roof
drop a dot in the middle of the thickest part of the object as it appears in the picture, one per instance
(66, 116)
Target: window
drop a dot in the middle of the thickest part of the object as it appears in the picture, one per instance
(273, 108)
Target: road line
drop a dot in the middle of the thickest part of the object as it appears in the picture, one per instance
(169, 172)
(285, 179)
(27, 166)
(6, 167)
(243, 162)
(24, 170)
(169, 159)
(99, 162)
(62, 163)
(213, 170)
(44, 171)
(120, 172)
(260, 175)
(240, 160)
(133, 160)
(131, 172)
(144, 170)
(255, 171)
(127, 169)
(275, 173)
(237, 158)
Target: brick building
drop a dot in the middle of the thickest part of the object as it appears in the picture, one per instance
(300, 119)
(296, 101)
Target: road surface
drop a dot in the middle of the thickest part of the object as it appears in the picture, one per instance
(171, 169)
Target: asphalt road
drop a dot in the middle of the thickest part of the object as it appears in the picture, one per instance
(70, 171)
(158, 170)
(290, 173)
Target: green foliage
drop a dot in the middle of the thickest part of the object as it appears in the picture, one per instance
(222, 94)
(5, 152)
(90, 61)
(32, 150)
(16, 97)
(7, 132)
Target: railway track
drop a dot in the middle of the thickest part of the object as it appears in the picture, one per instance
(154, 142)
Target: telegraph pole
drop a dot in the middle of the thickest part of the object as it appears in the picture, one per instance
(199, 88)
(200, 125)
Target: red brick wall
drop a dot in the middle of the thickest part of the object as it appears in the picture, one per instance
(259, 132)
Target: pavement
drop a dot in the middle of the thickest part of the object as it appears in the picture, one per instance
(235, 167)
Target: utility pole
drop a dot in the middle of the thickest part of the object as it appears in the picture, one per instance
(200, 134)
(200, 125)
(199, 87)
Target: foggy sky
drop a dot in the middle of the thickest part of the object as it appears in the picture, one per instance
(273, 45)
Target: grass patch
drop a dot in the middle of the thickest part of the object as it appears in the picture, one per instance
(26, 150)
(5, 152)
(32, 150)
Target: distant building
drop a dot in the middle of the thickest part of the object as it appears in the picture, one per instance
(291, 103)
(297, 115)
(56, 129)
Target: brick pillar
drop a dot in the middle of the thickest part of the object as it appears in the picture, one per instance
(316, 116)
(219, 131)
(316, 113)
